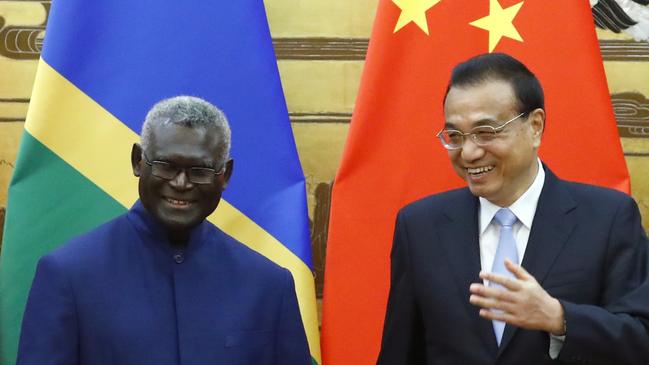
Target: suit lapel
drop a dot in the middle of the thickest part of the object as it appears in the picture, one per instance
(459, 240)
(551, 228)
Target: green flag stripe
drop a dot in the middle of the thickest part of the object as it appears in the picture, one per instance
(43, 189)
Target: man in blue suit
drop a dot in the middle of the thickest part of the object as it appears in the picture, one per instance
(160, 284)
(520, 267)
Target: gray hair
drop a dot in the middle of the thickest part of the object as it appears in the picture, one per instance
(191, 112)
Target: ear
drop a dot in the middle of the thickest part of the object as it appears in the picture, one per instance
(537, 124)
(229, 167)
(136, 159)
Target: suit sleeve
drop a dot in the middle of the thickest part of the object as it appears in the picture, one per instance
(617, 330)
(403, 335)
(49, 330)
(292, 344)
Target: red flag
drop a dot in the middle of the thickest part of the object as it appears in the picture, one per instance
(392, 156)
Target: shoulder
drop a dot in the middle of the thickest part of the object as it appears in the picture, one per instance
(240, 257)
(599, 207)
(597, 196)
(82, 257)
(437, 203)
(84, 248)
(562, 191)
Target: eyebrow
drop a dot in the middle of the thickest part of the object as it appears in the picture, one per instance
(202, 163)
(477, 123)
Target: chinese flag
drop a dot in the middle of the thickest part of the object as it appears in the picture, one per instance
(392, 156)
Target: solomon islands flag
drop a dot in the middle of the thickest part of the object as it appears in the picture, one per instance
(104, 64)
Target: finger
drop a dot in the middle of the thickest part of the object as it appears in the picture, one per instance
(499, 316)
(491, 303)
(505, 281)
(518, 271)
(482, 302)
(492, 315)
(476, 288)
(497, 293)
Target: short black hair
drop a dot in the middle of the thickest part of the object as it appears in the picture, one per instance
(500, 66)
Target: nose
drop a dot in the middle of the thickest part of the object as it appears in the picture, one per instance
(471, 151)
(181, 181)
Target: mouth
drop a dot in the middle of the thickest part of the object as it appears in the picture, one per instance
(475, 172)
(177, 203)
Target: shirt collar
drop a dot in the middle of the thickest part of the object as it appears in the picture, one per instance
(524, 207)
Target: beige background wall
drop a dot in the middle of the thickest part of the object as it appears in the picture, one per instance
(320, 46)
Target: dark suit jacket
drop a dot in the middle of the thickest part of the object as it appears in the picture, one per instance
(587, 248)
(121, 295)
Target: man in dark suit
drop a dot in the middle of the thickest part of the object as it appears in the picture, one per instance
(520, 267)
(159, 284)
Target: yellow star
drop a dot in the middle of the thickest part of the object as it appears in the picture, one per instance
(499, 23)
(413, 11)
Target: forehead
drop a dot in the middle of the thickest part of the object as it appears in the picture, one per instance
(470, 104)
(172, 141)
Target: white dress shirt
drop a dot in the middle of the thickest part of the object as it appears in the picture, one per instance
(524, 209)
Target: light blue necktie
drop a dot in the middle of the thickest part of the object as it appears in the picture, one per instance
(506, 250)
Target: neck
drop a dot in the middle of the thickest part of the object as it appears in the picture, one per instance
(178, 239)
(526, 181)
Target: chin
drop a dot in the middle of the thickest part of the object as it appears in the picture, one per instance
(178, 223)
(476, 190)
(480, 192)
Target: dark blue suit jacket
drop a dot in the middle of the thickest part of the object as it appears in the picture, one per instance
(586, 247)
(121, 295)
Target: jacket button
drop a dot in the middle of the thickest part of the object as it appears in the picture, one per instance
(179, 257)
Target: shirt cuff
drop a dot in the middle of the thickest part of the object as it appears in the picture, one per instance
(556, 344)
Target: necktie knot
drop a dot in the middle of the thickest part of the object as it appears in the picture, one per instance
(505, 217)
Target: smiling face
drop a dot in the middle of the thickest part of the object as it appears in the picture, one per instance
(178, 203)
(503, 170)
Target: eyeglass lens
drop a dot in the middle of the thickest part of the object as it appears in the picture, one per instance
(197, 175)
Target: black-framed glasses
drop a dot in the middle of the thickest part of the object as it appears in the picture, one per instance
(483, 135)
(197, 175)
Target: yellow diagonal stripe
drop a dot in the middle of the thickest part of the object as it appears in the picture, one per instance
(98, 145)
